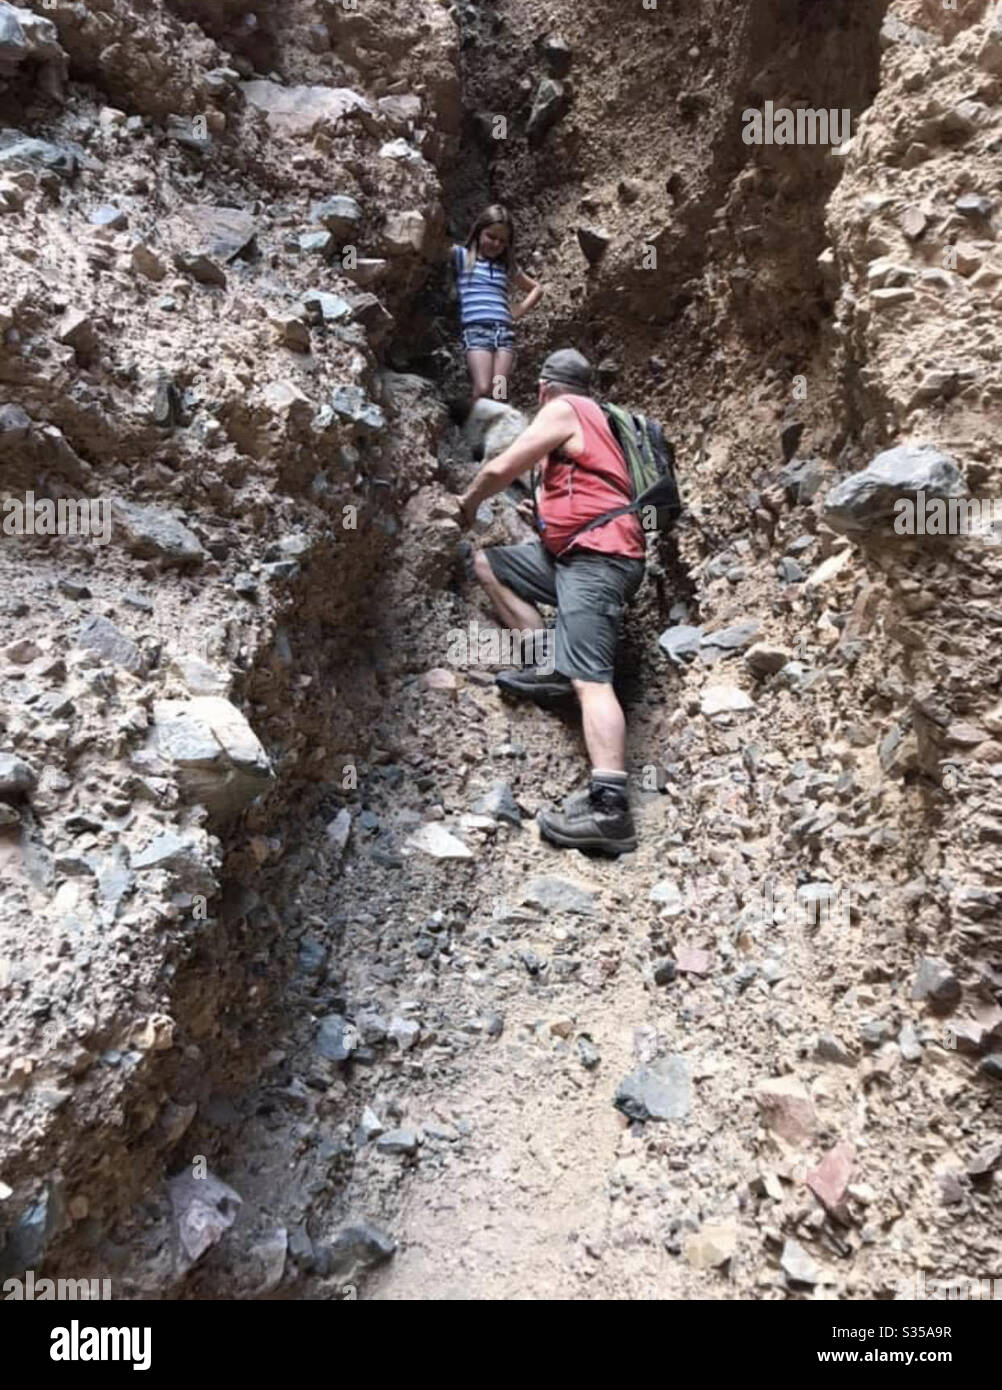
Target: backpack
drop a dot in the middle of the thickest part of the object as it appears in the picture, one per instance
(650, 462)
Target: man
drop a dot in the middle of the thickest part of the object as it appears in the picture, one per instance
(589, 575)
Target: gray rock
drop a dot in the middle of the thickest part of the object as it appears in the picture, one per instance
(973, 205)
(588, 1053)
(790, 572)
(551, 894)
(351, 403)
(152, 533)
(866, 500)
(594, 242)
(908, 1041)
(660, 1091)
(937, 984)
(500, 803)
(340, 214)
(360, 1247)
(802, 478)
(727, 641)
(798, 1265)
(317, 243)
(895, 30)
(26, 1241)
(204, 1208)
(558, 54)
(166, 404)
(337, 1039)
(17, 778)
(398, 1141)
(829, 1048)
(548, 106)
(992, 1066)
(185, 855)
(665, 972)
(766, 658)
(680, 643)
(107, 215)
(327, 308)
(18, 148)
(26, 36)
(201, 268)
(216, 757)
(102, 636)
(405, 1032)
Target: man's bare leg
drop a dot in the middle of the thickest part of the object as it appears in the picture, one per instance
(514, 612)
(604, 725)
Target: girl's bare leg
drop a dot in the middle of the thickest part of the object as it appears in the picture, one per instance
(481, 363)
(504, 361)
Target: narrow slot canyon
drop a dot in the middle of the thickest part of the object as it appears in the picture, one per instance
(297, 1002)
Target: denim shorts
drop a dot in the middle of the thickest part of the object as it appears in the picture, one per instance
(489, 337)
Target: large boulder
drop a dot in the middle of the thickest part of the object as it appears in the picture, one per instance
(214, 753)
(300, 110)
(865, 501)
(491, 426)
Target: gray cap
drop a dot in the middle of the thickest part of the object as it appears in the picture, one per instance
(568, 368)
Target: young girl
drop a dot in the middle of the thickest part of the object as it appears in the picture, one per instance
(485, 274)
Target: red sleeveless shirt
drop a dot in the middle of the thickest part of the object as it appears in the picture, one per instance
(576, 491)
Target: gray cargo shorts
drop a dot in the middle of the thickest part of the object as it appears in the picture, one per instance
(590, 591)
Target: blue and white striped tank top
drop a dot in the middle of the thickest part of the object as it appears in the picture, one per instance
(483, 291)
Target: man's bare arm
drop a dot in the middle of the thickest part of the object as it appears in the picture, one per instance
(551, 429)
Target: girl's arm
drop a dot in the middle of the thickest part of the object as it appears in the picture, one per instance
(533, 296)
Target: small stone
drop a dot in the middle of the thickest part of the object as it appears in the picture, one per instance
(712, 1245)
(661, 1090)
(992, 1066)
(936, 983)
(829, 1048)
(722, 699)
(665, 972)
(551, 894)
(317, 243)
(405, 1032)
(830, 1179)
(107, 215)
(371, 1125)
(787, 1108)
(558, 54)
(548, 106)
(913, 223)
(908, 1041)
(102, 636)
(435, 840)
(499, 802)
(359, 1247)
(680, 643)
(588, 1053)
(201, 268)
(594, 242)
(973, 205)
(798, 1265)
(727, 641)
(17, 778)
(766, 658)
(439, 678)
(692, 961)
(668, 896)
(398, 1141)
(337, 1038)
(339, 214)
(338, 830)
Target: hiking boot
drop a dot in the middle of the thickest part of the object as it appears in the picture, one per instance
(545, 688)
(600, 819)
